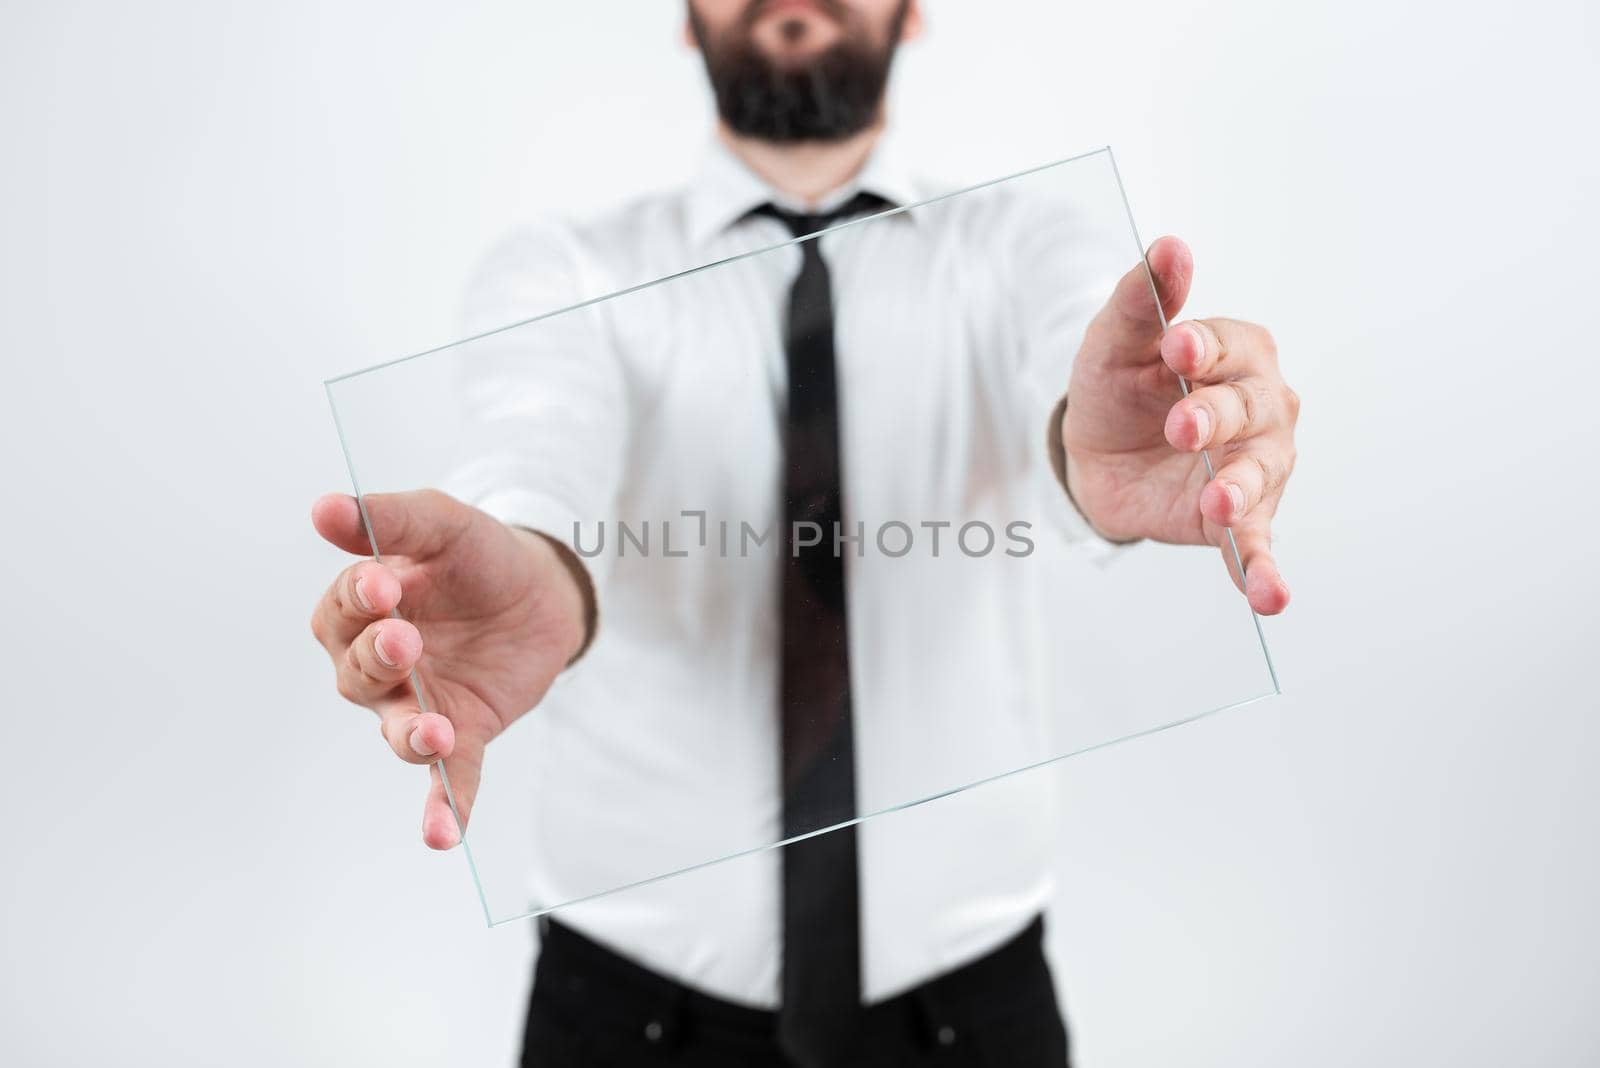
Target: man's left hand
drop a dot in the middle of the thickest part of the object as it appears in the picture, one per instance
(1132, 440)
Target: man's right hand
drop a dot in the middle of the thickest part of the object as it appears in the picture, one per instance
(503, 612)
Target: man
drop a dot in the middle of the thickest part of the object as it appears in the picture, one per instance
(843, 948)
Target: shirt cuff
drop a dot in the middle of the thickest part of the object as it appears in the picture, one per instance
(1056, 450)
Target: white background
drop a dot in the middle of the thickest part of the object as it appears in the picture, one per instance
(206, 208)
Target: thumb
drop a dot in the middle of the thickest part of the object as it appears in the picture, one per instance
(464, 769)
(1128, 329)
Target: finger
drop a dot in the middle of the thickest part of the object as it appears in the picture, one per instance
(1216, 415)
(337, 517)
(465, 768)
(1210, 350)
(1193, 350)
(1129, 327)
(417, 737)
(379, 661)
(1263, 586)
(418, 523)
(361, 593)
(1243, 482)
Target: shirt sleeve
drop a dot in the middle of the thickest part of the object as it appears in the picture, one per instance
(543, 402)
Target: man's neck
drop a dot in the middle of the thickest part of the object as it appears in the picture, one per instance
(805, 171)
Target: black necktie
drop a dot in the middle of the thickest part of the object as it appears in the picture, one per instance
(821, 993)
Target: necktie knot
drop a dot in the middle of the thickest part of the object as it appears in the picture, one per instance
(804, 224)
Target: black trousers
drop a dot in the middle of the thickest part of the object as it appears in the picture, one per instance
(592, 1008)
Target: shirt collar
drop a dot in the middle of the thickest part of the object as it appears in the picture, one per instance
(725, 190)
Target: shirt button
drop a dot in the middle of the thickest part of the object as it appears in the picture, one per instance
(947, 1035)
(653, 1031)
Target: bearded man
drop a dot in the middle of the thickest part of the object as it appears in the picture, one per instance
(858, 946)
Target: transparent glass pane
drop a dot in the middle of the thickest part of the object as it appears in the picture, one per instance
(989, 631)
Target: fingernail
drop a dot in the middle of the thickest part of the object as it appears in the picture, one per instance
(1235, 498)
(1202, 425)
(361, 594)
(420, 747)
(377, 647)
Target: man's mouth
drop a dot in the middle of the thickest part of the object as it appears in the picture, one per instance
(764, 8)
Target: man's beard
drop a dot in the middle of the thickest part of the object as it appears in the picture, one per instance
(835, 94)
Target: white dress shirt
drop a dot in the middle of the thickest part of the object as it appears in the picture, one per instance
(955, 326)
